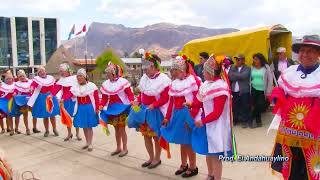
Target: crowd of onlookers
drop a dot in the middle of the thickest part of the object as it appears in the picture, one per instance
(250, 85)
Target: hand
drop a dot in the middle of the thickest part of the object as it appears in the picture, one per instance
(97, 111)
(198, 124)
(188, 104)
(61, 101)
(151, 107)
(100, 108)
(14, 94)
(135, 103)
(165, 122)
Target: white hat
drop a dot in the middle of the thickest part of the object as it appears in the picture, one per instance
(82, 72)
(65, 67)
(281, 50)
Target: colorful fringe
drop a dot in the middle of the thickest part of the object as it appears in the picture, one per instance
(65, 116)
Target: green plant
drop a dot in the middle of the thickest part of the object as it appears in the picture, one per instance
(108, 56)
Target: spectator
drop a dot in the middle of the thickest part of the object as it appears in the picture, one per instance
(261, 87)
(239, 75)
(281, 63)
(198, 69)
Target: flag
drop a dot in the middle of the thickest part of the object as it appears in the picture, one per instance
(72, 31)
(84, 29)
(65, 117)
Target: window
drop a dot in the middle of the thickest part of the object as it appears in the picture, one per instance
(5, 42)
(50, 26)
(134, 66)
(22, 41)
(36, 42)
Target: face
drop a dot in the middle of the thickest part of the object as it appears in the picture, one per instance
(202, 60)
(151, 71)
(22, 78)
(9, 81)
(110, 76)
(180, 74)
(81, 79)
(256, 62)
(282, 56)
(207, 76)
(42, 73)
(64, 73)
(239, 61)
(308, 56)
(174, 74)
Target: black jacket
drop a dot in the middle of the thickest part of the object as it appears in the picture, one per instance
(274, 67)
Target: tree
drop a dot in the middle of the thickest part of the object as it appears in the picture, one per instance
(106, 57)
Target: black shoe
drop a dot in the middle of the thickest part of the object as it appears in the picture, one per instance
(152, 166)
(181, 170)
(190, 173)
(36, 131)
(145, 164)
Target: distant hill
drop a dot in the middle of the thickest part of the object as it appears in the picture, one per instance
(163, 38)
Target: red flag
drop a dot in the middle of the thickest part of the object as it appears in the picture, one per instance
(84, 29)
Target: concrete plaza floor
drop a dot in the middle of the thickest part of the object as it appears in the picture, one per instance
(52, 159)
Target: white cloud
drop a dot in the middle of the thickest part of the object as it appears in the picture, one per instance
(40, 5)
(299, 16)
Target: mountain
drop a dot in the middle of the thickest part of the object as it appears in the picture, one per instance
(163, 38)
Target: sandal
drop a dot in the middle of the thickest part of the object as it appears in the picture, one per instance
(79, 138)
(46, 134)
(17, 131)
(3, 131)
(181, 170)
(210, 177)
(55, 132)
(68, 138)
(190, 173)
(35, 131)
(146, 164)
(123, 154)
(90, 148)
(11, 132)
(152, 166)
(85, 147)
(115, 153)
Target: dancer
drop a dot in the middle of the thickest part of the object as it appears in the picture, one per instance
(43, 102)
(87, 106)
(182, 93)
(117, 98)
(64, 84)
(213, 135)
(153, 99)
(23, 93)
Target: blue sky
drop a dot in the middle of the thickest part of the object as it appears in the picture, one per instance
(300, 17)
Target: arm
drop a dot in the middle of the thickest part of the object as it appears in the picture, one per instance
(96, 99)
(218, 106)
(104, 100)
(196, 105)
(244, 75)
(269, 81)
(231, 74)
(139, 98)
(164, 98)
(170, 108)
(33, 86)
(129, 94)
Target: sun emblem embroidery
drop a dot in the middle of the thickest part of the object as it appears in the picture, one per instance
(297, 114)
(313, 162)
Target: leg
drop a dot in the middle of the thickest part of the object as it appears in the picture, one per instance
(34, 122)
(157, 149)
(2, 125)
(298, 167)
(184, 155)
(17, 121)
(118, 138)
(214, 167)
(90, 138)
(260, 107)
(69, 136)
(54, 125)
(10, 121)
(245, 108)
(8, 124)
(123, 137)
(26, 123)
(78, 134)
(235, 105)
(85, 132)
(46, 126)
(149, 146)
(192, 170)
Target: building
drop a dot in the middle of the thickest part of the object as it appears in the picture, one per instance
(27, 42)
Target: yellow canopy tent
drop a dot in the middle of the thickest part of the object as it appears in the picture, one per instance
(263, 40)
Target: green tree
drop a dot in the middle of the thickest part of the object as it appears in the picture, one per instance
(108, 56)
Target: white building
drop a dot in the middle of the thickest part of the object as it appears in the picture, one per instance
(27, 42)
